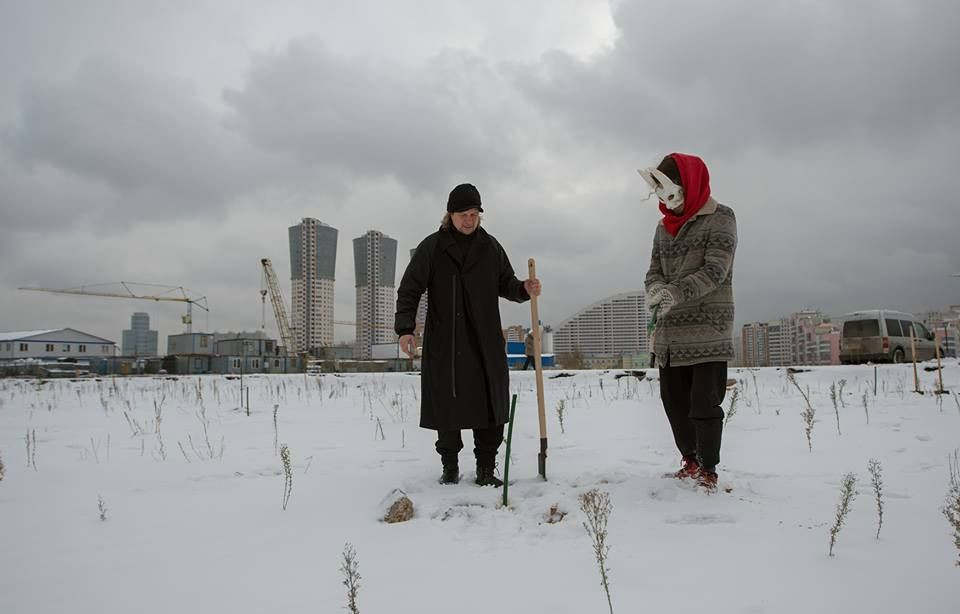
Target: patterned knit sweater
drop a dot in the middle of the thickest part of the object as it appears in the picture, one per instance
(696, 268)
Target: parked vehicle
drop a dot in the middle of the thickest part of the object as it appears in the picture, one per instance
(882, 335)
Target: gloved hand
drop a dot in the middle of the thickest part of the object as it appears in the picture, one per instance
(653, 295)
(664, 301)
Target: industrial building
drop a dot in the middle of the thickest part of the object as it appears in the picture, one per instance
(53, 344)
(53, 352)
(517, 356)
(198, 353)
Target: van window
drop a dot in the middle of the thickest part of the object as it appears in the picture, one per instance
(922, 332)
(893, 328)
(861, 328)
(907, 326)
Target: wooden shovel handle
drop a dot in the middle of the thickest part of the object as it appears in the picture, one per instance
(538, 361)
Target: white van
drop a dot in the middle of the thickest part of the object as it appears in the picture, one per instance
(882, 335)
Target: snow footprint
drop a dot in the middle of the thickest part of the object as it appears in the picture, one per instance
(702, 519)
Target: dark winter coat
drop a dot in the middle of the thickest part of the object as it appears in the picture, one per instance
(464, 379)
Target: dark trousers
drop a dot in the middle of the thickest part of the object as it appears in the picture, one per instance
(485, 441)
(528, 362)
(691, 397)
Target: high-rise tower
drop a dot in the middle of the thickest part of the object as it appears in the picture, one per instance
(375, 262)
(313, 261)
(421, 320)
(139, 340)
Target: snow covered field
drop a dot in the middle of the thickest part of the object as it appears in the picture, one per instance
(194, 521)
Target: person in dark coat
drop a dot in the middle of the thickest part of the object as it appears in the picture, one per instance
(464, 379)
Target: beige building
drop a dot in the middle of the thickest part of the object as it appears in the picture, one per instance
(313, 260)
(614, 326)
(53, 344)
(805, 338)
(515, 333)
(421, 321)
(375, 265)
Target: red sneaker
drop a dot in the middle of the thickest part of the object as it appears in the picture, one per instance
(707, 480)
(688, 469)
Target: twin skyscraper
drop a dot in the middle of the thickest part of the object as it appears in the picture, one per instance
(313, 263)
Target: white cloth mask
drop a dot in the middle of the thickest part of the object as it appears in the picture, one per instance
(669, 193)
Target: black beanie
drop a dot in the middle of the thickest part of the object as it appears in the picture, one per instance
(668, 166)
(464, 196)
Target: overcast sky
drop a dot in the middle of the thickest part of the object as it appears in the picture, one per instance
(174, 142)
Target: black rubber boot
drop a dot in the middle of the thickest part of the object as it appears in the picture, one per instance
(451, 474)
(485, 476)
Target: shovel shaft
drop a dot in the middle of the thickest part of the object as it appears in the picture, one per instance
(538, 363)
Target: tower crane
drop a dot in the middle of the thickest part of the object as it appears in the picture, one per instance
(163, 293)
(280, 311)
(276, 299)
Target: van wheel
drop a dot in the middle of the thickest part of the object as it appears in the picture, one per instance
(898, 355)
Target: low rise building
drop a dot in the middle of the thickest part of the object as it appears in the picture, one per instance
(515, 333)
(53, 344)
(804, 338)
(191, 344)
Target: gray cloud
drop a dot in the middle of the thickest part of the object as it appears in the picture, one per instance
(376, 118)
(824, 127)
(829, 128)
(145, 138)
(740, 74)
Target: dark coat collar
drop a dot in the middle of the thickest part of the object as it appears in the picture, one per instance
(449, 244)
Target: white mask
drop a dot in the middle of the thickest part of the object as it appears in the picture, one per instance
(669, 193)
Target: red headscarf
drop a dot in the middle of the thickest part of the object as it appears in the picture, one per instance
(696, 190)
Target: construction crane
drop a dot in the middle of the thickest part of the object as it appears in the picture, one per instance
(166, 293)
(276, 299)
(279, 307)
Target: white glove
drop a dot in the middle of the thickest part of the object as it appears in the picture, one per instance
(665, 302)
(653, 295)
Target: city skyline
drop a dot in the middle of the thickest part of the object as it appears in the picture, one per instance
(614, 326)
(324, 252)
(351, 339)
(165, 145)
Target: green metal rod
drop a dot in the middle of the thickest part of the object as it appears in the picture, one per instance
(506, 462)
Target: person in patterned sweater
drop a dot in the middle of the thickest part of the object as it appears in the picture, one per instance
(689, 290)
